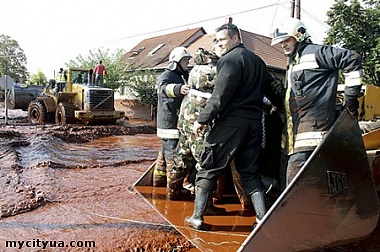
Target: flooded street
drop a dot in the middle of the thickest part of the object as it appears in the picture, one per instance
(60, 192)
(71, 189)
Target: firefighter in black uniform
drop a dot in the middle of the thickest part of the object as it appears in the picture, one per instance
(311, 91)
(234, 111)
(172, 86)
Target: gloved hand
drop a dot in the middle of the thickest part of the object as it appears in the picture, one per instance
(278, 88)
(364, 127)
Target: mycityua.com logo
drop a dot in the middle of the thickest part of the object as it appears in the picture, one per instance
(37, 243)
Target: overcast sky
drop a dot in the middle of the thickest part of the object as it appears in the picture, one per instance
(53, 32)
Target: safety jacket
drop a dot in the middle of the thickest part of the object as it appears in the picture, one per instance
(169, 102)
(311, 92)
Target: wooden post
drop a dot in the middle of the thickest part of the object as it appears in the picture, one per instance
(292, 7)
(298, 9)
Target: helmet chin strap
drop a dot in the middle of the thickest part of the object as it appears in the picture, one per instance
(293, 52)
(180, 67)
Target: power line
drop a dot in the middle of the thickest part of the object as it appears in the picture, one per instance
(198, 22)
(315, 18)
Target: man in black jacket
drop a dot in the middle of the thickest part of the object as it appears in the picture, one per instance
(235, 112)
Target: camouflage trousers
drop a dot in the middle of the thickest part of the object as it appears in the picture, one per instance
(166, 173)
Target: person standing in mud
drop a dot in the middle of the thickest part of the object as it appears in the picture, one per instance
(311, 91)
(234, 112)
(172, 86)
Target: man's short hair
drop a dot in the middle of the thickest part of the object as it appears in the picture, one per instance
(232, 30)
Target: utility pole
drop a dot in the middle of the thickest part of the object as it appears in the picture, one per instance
(295, 9)
(298, 9)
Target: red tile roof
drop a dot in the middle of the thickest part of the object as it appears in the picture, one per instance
(273, 56)
(139, 56)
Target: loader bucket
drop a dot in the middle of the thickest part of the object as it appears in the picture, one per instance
(332, 201)
(372, 140)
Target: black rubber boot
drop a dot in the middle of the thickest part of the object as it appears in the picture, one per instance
(202, 198)
(259, 204)
(272, 190)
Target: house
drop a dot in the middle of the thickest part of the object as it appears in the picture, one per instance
(153, 53)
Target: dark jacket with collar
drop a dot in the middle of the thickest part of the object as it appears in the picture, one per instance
(169, 102)
(239, 87)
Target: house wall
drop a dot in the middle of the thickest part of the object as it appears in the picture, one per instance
(125, 101)
(133, 108)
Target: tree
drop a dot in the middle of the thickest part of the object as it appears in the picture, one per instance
(356, 26)
(113, 63)
(12, 59)
(39, 78)
(142, 83)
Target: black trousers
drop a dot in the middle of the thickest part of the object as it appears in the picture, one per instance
(233, 137)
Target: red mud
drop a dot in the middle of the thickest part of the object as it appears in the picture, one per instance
(74, 184)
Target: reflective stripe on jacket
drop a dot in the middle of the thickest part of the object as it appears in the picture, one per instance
(310, 99)
(169, 102)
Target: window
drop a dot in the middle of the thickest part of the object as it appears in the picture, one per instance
(156, 49)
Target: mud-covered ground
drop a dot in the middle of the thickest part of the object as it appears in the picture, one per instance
(70, 188)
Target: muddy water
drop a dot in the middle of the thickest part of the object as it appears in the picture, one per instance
(56, 192)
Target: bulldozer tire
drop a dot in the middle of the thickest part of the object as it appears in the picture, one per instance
(37, 113)
(64, 114)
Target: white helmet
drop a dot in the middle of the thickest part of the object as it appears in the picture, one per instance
(290, 28)
(179, 53)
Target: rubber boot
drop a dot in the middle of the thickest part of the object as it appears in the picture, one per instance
(272, 189)
(217, 198)
(202, 197)
(159, 172)
(245, 201)
(174, 177)
(189, 181)
(246, 204)
(259, 204)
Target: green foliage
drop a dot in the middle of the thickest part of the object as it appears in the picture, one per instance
(38, 78)
(113, 63)
(12, 59)
(143, 85)
(356, 26)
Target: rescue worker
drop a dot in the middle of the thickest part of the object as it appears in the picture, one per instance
(234, 112)
(172, 86)
(311, 90)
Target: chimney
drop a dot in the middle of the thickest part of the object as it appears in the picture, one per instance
(228, 20)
